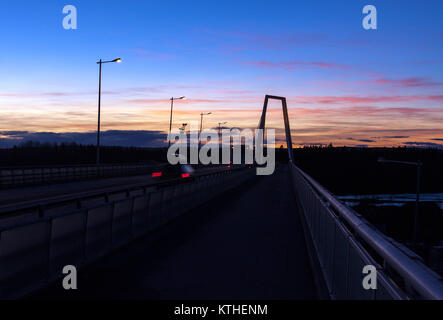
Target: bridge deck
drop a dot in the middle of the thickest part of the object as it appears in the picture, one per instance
(31, 195)
(246, 244)
(10, 198)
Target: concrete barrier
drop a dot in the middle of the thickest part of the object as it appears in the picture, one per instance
(98, 231)
(67, 241)
(155, 209)
(24, 257)
(140, 213)
(122, 222)
(35, 251)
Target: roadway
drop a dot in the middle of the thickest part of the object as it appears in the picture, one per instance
(34, 194)
(246, 244)
(28, 196)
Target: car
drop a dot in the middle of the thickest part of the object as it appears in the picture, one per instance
(177, 171)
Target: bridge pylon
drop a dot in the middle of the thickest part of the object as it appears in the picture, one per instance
(261, 125)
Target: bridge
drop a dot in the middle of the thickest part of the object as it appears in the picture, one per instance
(226, 234)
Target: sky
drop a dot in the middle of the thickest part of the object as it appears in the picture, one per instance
(345, 85)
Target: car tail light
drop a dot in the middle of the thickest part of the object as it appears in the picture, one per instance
(156, 174)
(185, 175)
(229, 166)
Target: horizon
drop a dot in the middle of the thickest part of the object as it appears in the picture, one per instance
(152, 140)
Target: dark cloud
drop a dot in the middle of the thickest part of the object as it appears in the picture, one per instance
(12, 133)
(424, 144)
(127, 138)
(391, 137)
(437, 139)
(362, 140)
(226, 128)
(315, 144)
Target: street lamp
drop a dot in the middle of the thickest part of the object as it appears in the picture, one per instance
(219, 126)
(170, 117)
(183, 126)
(201, 126)
(219, 131)
(100, 62)
(418, 164)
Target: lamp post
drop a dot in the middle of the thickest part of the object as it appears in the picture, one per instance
(201, 126)
(219, 130)
(418, 164)
(219, 126)
(100, 62)
(170, 117)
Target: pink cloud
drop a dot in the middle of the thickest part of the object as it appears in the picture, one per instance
(235, 92)
(292, 65)
(435, 98)
(357, 111)
(408, 82)
(367, 99)
(187, 101)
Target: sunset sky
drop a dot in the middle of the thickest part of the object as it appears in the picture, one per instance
(344, 85)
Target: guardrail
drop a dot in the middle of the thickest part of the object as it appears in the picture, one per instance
(33, 252)
(345, 242)
(25, 176)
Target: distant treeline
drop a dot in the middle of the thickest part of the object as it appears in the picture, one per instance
(347, 170)
(341, 170)
(41, 154)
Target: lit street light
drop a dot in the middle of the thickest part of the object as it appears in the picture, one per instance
(183, 128)
(417, 198)
(201, 126)
(170, 117)
(118, 60)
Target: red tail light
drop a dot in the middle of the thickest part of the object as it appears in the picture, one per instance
(156, 174)
(229, 166)
(185, 175)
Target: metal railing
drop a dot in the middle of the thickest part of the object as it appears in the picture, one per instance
(345, 242)
(25, 176)
(33, 252)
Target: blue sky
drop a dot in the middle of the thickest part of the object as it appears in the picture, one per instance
(343, 83)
